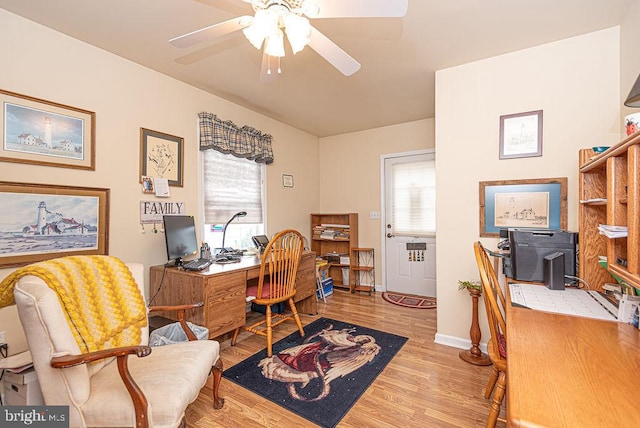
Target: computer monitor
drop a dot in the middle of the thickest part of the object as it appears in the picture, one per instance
(180, 237)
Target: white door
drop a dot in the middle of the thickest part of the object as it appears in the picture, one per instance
(409, 222)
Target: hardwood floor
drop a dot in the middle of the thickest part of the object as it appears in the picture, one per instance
(426, 384)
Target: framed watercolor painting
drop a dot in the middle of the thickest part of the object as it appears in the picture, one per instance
(41, 222)
(41, 132)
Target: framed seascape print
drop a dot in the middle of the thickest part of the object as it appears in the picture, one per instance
(40, 222)
(161, 156)
(41, 132)
(537, 203)
(521, 135)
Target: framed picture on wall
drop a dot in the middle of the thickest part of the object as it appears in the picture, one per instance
(536, 203)
(41, 132)
(521, 135)
(42, 221)
(161, 156)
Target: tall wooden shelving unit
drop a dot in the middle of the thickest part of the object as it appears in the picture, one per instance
(610, 194)
(347, 238)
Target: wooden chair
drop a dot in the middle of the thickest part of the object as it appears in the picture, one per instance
(84, 345)
(276, 284)
(497, 350)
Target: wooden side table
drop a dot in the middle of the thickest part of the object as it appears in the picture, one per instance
(474, 355)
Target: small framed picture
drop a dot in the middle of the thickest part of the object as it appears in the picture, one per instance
(287, 180)
(147, 184)
(521, 135)
(161, 156)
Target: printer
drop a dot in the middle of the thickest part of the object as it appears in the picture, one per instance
(529, 247)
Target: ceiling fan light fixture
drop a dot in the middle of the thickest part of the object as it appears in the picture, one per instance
(274, 45)
(260, 28)
(298, 31)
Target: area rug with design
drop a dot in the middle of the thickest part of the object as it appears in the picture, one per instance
(409, 301)
(322, 375)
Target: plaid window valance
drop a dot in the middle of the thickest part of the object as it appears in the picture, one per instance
(227, 137)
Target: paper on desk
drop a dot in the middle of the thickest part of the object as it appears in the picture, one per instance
(17, 363)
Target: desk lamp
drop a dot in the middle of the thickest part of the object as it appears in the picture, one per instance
(224, 231)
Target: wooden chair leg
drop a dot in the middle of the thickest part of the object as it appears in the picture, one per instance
(296, 317)
(269, 331)
(492, 382)
(235, 336)
(216, 372)
(497, 400)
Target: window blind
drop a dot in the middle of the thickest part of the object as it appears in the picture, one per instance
(414, 198)
(231, 185)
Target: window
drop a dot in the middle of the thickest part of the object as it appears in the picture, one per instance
(414, 192)
(231, 185)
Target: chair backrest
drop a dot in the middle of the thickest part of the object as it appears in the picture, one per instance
(48, 334)
(279, 266)
(492, 293)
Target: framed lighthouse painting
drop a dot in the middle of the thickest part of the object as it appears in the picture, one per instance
(41, 132)
(40, 222)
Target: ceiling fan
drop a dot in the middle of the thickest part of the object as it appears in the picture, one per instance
(273, 19)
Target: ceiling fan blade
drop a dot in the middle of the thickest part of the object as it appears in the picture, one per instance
(333, 53)
(211, 32)
(362, 9)
(270, 69)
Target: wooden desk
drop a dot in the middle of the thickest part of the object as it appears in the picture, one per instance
(569, 371)
(222, 289)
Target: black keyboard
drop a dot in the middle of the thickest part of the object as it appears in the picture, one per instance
(198, 264)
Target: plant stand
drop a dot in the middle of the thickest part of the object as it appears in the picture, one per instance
(474, 355)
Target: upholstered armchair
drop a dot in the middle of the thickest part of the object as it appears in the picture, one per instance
(109, 379)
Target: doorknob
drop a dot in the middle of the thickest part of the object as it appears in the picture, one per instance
(389, 235)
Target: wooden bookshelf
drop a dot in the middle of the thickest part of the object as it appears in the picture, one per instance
(609, 191)
(335, 233)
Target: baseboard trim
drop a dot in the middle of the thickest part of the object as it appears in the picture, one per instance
(457, 342)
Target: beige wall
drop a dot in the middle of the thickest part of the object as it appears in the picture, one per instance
(629, 58)
(575, 82)
(350, 173)
(125, 97)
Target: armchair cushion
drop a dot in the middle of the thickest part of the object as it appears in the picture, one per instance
(171, 375)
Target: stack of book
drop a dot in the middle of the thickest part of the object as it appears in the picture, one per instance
(337, 232)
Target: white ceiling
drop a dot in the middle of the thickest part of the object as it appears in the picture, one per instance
(398, 55)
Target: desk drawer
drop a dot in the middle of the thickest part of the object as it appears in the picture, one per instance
(254, 272)
(225, 303)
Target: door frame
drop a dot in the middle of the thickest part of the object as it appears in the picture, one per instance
(383, 205)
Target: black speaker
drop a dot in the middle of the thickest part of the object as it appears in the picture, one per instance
(554, 271)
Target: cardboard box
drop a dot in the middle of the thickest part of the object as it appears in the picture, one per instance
(21, 389)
